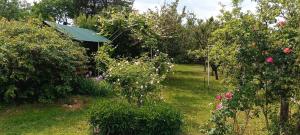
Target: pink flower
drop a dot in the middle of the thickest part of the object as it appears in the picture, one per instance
(287, 50)
(219, 106)
(269, 60)
(219, 97)
(228, 95)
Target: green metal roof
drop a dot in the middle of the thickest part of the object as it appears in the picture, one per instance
(79, 34)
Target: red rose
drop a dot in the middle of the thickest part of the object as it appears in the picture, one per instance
(228, 95)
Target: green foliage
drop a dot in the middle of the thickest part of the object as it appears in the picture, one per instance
(178, 39)
(88, 22)
(56, 10)
(162, 63)
(167, 24)
(103, 58)
(13, 9)
(128, 31)
(92, 7)
(199, 38)
(115, 117)
(261, 60)
(36, 63)
(137, 80)
(85, 86)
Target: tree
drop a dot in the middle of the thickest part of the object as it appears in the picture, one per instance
(92, 7)
(129, 31)
(260, 57)
(13, 9)
(56, 10)
(88, 22)
(203, 33)
(167, 23)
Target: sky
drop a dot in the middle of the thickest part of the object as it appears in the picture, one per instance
(204, 9)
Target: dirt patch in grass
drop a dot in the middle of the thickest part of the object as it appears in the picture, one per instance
(75, 103)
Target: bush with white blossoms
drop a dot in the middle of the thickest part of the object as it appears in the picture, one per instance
(137, 80)
(162, 63)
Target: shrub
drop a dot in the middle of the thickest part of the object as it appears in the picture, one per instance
(162, 63)
(136, 79)
(116, 118)
(36, 63)
(85, 86)
(103, 59)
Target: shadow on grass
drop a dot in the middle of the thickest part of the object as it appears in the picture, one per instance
(192, 84)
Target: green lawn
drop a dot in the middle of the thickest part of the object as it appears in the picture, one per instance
(38, 119)
(186, 89)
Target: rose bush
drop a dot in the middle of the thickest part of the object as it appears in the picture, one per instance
(261, 62)
(137, 80)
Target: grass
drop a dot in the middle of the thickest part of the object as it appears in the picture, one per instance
(186, 90)
(38, 119)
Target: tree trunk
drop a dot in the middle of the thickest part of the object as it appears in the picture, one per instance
(216, 74)
(284, 114)
(215, 70)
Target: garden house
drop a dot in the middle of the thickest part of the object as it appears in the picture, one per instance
(87, 38)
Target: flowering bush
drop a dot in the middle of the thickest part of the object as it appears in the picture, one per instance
(261, 62)
(136, 80)
(162, 63)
